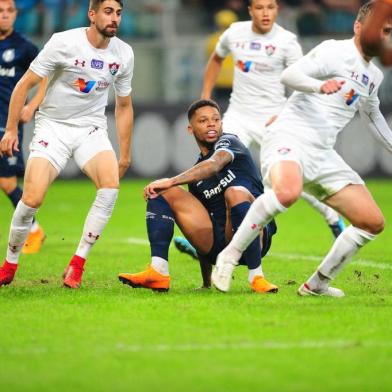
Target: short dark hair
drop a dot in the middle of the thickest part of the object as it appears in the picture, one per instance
(201, 103)
(364, 11)
(94, 4)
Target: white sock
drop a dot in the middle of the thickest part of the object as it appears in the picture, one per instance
(160, 265)
(329, 214)
(344, 247)
(34, 227)
(254, 272)
(262, 211)
(20, 228)
(97, 218)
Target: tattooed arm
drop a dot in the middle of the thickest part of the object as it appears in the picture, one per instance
(199, 172)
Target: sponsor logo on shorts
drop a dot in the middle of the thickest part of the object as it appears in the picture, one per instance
(12, 161)
(43, 143)
(244, 66)
(351, 97)
(8, 55)
(80, 63)
(113, 68)
(96, 64)
(270, 49)
(83, 85)
(223, 183)
(284, 150)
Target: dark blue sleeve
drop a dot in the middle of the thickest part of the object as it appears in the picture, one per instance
(231, 144)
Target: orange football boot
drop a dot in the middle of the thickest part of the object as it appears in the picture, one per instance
(261, 285)
(149, 279)
(34, 241)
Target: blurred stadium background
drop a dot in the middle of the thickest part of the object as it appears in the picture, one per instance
(171, 39)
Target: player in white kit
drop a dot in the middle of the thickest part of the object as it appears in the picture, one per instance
(81, 65)
(333, 82)
(261, 50)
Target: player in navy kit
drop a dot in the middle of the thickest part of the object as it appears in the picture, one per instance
(222, 185)
(16, 54)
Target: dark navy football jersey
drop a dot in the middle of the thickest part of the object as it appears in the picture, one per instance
(16, 54)
(241, 171)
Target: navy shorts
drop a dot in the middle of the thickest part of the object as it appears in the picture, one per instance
(12, 166)
(220, 241)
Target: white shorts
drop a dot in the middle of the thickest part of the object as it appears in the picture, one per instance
(58, 142)
(324, 171)
(249, 129)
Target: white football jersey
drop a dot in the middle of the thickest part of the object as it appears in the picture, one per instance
(80, 76)
(259, 62)
(318, 118)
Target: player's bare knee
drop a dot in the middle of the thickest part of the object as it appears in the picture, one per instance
(32, 200)
(286, 196)
(377, 225)
(236, 195)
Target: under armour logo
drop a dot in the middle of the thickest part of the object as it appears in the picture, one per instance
(82, 63)
(13, 248)
(91, 235)
(43, 143)
(95, 129)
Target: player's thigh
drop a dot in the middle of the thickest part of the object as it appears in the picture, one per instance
(103, 170)
(235, 195)
(356, 203)
(40, 173)
(8, 184)
(192, 218)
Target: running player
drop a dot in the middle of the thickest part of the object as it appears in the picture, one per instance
(81, 65)
(261, 50)
(371, 32)
(16, 54)
(333, 82)
(222, 186)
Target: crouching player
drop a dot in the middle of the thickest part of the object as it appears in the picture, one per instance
(222, 186)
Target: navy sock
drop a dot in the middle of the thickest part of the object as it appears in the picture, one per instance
(160, 226)
(252, 254)
(15, 196)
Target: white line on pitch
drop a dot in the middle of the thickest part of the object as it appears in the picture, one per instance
(291, 256)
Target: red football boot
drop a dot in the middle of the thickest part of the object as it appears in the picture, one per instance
(7, 273)
(73, 273)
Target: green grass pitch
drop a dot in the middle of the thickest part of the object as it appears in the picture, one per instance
(110, 337)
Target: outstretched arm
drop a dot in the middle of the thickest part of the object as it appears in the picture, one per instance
(29, 109)
(199, 172)
(10, 141)
(211, 73)
(124, 125)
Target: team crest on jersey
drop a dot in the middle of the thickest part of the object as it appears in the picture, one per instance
(83, 85)
(8, 55)
(371, 87)
(351, 97)
(244, 66)
(96, 64)
(255, 46)
(365, 79)
(270, 49)
(113, 68)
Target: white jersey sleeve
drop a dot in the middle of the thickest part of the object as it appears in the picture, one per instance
(309, 73)
(293, 52)
(374, 119)
(48, 58)
(122, 83)
(222, 47)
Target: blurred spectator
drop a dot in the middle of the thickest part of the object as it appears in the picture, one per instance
(340, 15)
(223, 20)
(27, 20)
(310, 20)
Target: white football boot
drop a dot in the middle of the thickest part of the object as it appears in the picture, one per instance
(305, 290)
(223, 271)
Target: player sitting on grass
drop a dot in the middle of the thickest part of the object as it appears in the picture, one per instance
(222, 186)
